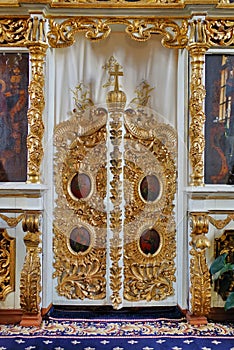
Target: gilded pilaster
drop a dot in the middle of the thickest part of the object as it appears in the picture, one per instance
(200, 288)
(37, 49)
(197, 48)
(30, 280)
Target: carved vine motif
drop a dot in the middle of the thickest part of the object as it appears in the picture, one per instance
(63, 34)
(7, 264)
(200, 277)
(30, 280)
(13, 31)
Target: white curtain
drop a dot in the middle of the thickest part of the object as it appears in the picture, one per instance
(84, 60)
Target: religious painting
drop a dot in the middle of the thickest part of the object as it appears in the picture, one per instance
(219, 125)
(13, 116)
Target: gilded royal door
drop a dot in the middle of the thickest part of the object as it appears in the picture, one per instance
(115, 183)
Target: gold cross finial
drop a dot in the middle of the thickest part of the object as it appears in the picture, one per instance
(116, 73)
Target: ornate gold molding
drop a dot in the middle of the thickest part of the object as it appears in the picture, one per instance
(119, 3)
(7, 264)
(30, 280)
(220, 224)
(62, 34)
(200, 288)
(13, 31)
(220, 32)
(12, 222)
(35, 42)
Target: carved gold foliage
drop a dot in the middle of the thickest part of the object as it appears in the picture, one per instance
(220, 32)
(80, 147)
(173, 34)
(37, 49)
(12, 222)
(116, 273)
(220, 224)
(150, 276)
(30, 280)
(13, 31)
(146, 276)
(7, 264)
(197, 91)
(80, 275)
(116, 221)
(200, 288)
(84, 155)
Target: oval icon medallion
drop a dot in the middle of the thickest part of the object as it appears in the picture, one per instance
(150, 188)
(80, 185)
(149, 241)
(79, 239)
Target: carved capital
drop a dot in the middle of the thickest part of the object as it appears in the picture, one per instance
(200, 288)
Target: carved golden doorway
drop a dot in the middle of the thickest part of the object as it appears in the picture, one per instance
(114, 226)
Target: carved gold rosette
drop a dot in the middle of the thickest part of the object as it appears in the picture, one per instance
(30, 280)
(7, 264)
(199, 273)
(80, 218)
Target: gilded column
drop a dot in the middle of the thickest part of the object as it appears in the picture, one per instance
(197, 48)
(37, 49)
(200, 284)
(30, 280)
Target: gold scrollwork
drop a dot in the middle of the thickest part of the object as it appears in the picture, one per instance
(12, 222)
(7, 264)
(63, 34)
(220, 224)
(13, 31)
(30, 280)
(80, 149)
(149, 276)
(80, 275)
(220, 32)
(200, 288)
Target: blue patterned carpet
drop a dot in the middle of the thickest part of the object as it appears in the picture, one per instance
(81, 334)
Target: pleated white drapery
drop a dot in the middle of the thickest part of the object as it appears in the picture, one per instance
(84, 61)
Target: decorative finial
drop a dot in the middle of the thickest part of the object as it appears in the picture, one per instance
(116, 73)
(116, 99)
